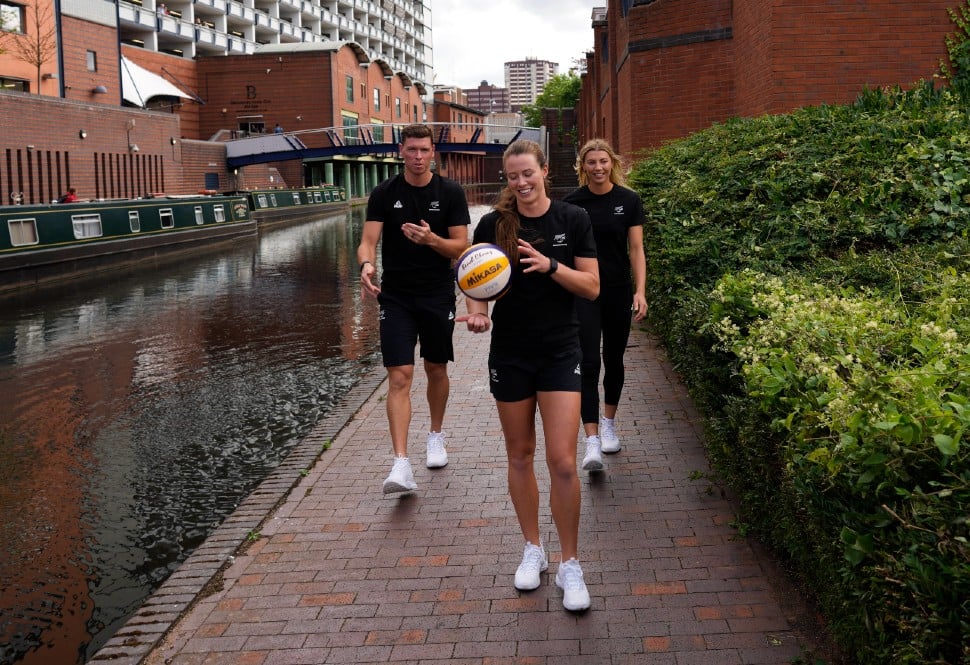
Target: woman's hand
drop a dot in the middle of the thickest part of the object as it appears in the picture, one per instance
(639, 307)
(533, 259)
(478, 322)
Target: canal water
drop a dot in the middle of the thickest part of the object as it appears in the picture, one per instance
(135, 414)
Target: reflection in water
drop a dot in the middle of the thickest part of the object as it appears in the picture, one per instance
(137, 413)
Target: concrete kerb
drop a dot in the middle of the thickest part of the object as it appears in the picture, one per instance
(201, 573)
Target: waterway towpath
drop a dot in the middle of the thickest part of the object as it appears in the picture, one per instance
(333, 571)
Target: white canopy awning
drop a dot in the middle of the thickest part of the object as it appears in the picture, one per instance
(138, 85)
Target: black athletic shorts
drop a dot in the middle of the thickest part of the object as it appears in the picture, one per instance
(406, 320)
(512, 378)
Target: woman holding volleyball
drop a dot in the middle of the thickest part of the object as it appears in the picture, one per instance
(534, 356)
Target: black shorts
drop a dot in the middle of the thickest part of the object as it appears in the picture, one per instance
(512, 378)
(406, 320)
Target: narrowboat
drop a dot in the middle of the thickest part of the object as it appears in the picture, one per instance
(276, 206)
(49, 243)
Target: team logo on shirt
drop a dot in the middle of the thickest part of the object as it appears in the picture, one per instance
(434, 207)
(451, 316)
(493, 375)
(559, 240)
(380, 315)
(577, 370)
(617, 210)
(398, 204)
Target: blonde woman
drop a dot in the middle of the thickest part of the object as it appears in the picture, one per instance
(616, 213)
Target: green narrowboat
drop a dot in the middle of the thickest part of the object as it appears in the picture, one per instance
(48, 243)
(274, 206)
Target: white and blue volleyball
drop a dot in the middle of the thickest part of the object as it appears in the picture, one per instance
(483, 272)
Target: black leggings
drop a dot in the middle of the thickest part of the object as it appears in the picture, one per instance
(607, 318)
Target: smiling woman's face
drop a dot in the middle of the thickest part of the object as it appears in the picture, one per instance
(525, 177)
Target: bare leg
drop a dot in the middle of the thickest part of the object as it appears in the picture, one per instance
(560, 421)
(438, 388)
(518, 426)
(399, 406)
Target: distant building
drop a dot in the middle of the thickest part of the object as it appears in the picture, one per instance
(526, 79)
(489, 98)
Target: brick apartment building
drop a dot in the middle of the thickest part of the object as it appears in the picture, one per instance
(662, 69)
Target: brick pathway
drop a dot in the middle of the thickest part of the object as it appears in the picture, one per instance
(339, 573)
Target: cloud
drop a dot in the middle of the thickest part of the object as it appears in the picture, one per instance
(472, 41)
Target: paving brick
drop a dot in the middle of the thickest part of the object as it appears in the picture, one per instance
(343, 574)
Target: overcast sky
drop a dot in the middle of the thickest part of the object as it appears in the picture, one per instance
(473, 40)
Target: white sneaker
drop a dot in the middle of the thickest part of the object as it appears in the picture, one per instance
(437, 455)
(610, 441)
(569, 578)
(401, 478)
(533, 562)
(593, 460)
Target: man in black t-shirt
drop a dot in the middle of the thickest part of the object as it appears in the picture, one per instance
(421, 220)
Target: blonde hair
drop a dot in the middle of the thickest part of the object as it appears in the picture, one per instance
(508, 224)
(617, 176)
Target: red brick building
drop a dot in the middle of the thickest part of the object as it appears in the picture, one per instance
(662, 69)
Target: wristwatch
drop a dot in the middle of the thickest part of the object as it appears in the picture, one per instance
(553, 266)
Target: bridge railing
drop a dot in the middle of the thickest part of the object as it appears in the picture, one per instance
(375, 138)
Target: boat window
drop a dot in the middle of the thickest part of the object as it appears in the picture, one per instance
(199, 217)
(166, 217)
(22, 232)
(134, 221)
(316, 197)
(326, 195)
(220, 212)
(262, 201)
(272, 198)
(296, 198)
(87, 226)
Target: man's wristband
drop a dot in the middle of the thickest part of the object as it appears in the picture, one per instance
(553, 266)
(362, 264)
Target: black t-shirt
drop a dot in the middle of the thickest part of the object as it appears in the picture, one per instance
(537, 313)
(407, 267)
(612, 215)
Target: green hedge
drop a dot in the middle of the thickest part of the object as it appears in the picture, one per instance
(809, 276)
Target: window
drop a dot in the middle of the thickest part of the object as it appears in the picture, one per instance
(351, 136)
(86, 226)
(199, 217)
(18, 85)
(316, 197)
(92, 60)
(296, 198)
(377, 100)
(397, 106)
(350, 88)
(166, 217)
(220, 212)
(134, 221)
(272, 199)
(261, 199)
(378, 132)
(22, 232)
(12, 17)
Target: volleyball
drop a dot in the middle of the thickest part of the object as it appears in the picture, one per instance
(483, 272)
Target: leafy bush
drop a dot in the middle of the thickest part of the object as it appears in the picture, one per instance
(809, 276)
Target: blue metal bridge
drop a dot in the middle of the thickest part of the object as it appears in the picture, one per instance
(375, 139)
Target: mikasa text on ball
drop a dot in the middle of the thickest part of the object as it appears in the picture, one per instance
(483, 272)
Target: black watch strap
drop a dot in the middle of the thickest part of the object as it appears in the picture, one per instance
(553, 266)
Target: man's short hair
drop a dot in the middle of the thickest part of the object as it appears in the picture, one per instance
(416, 132)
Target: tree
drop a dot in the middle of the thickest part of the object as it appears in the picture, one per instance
(562, 91)
(38, 44)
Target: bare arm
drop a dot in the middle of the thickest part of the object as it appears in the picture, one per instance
(477, 317)
(583, 280)
(367, 255)
(451, 247)
(638, 262)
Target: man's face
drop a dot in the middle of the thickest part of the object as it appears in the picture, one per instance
(417, 155)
